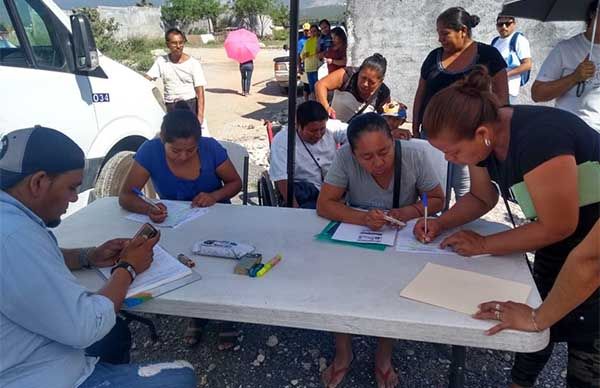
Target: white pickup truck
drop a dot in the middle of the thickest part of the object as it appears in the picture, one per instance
(51, 74)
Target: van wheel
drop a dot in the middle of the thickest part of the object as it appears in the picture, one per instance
(113, 175)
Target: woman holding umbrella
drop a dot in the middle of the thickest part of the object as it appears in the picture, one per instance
(242, 46)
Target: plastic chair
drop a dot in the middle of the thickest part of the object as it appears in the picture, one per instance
(240, 158)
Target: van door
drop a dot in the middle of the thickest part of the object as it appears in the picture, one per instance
(38, 84)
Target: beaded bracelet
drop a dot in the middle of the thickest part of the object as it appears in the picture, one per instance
(535, 326)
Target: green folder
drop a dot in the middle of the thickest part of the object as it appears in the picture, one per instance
(588, 183)
(326, 235)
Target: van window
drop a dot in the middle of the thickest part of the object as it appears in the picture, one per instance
(41, 34)
(11, 52)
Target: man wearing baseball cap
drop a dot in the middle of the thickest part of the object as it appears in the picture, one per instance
(48, 319)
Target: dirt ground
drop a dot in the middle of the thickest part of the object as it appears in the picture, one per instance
(231, 116)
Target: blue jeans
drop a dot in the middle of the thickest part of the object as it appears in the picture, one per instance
(114, 347)
(177, 374)
(313, 77)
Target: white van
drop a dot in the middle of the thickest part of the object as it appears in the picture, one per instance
(52, 75)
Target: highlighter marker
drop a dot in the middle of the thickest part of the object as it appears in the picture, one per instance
(272, 263)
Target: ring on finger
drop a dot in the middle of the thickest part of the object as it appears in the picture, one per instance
(498, 307)
(498, 315)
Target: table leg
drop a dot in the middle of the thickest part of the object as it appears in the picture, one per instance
(457, 368)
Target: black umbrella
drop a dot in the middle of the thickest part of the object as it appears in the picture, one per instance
(547, 10)
(553, 11)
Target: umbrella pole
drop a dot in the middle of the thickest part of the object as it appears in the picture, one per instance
(594, 31)
(292, 93)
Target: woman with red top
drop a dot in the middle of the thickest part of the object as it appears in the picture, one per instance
(335, 56)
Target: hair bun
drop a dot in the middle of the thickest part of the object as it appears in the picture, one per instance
(477, 81)
(474, 21)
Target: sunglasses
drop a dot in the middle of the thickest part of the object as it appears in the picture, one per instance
(501, 24)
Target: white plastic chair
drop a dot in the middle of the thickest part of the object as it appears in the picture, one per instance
(240, 158)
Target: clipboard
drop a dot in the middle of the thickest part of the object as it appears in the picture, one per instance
(136, 300)
(326, 235)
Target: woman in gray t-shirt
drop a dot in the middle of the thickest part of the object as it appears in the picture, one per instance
(363, 173)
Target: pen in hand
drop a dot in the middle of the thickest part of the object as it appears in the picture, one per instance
(145, 199)
(424, 201)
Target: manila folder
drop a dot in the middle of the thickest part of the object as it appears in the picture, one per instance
(460, 290)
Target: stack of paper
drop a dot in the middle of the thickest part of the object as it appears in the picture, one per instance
(460, 290)
(164, 269)
(179, 214)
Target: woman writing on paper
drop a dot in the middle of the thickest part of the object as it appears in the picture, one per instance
(183, 166)
(522, 147)
(368, 172)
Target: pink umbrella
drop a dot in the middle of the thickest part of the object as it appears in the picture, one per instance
(242, 45)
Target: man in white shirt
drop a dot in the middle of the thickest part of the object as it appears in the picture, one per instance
(515, 50)
(182, 77)
(317, 140)
(571, 77)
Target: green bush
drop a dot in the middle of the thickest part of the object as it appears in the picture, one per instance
(281, 34)
(135, 53)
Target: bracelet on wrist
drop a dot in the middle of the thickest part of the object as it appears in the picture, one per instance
(84, 257)
(535, 325)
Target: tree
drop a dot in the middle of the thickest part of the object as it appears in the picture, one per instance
(183, 13)
(212, 10)
(281, 15)
(144, 3)
(249, 12)
(103, 29)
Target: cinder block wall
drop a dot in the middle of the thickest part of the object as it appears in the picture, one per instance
(404, 32)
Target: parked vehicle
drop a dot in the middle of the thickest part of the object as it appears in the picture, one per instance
(51, 74)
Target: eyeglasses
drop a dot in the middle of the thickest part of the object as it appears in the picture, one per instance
(501, 24)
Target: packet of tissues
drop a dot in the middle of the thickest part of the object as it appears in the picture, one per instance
(222, 248)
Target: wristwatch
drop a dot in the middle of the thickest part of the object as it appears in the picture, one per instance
(126, 266)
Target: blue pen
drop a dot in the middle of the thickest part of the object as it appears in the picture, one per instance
(144, 198)
(424, 201)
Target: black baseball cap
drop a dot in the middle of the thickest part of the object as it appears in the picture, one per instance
(26, 151)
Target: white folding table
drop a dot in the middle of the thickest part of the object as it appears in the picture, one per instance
(317, 285)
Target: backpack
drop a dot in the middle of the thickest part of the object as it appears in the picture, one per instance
(512, 46)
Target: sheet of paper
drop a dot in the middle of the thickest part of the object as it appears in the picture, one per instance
(460, 290)
(362, 234)
(179, 214)
(406, 242)
(164, 269)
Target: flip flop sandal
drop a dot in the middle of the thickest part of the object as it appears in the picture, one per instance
(384, 376)
(193, 333)
(229, 338)
(337, 372)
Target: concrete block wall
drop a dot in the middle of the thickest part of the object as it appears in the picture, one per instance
(404, 32)
(140, 22)
(134, 22)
